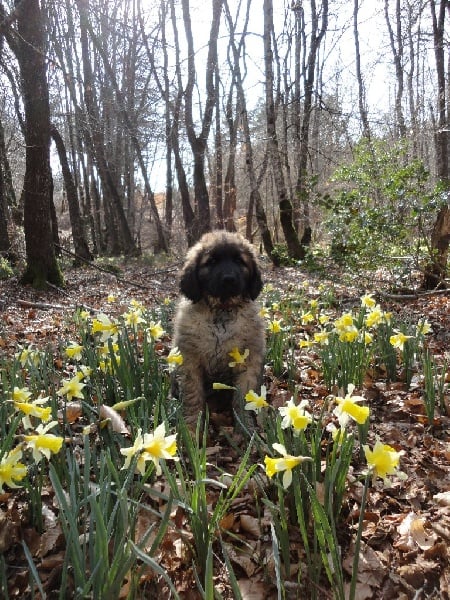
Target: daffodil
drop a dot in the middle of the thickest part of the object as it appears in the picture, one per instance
(383, 460)
(368, 301)
(73, 351)
(274, 326)
(368, 338)
(255, 402)
(21, 394)
(174, 358)
(31, 408)
(374, 317)
(238, 358)
(72, 388)
(295, 415)
(106, 327)
(155, 330)
(111, 298)
(43, 443)
(322, 337)
(345, 328)
(136, 305)
(324, 319)
(264, 312)
(28, 356)
(151, 446)
(11, 469)
(307, 317)
(108, 347)
(133, 318)
(398, 340)
(423, 327)
(348, 407)
(285, 464)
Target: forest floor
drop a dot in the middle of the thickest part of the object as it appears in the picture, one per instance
(406, 532)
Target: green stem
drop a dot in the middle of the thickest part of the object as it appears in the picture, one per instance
(358, 538)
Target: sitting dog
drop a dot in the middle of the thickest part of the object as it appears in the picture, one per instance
(220, 281)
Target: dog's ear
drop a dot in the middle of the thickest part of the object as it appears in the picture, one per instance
(189, 283)
(255, 284)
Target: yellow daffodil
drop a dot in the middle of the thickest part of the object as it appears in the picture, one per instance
(348, 407)
(423, 327)
(398, 340)
(383, 460)
(108, 347)
(324, 319)
(374, 317)
(307, 317)
(368, 338)
(286, 463)
(73, 351)
(295, 415)
(255, 402)
(136, 305)
(151, 446)
(133, 318)
(21, 394)
(274, 326)
(106, 327)
(337, 433)
(368, 301)
(346, 329)
(275, 306)
(111, 298)
(84, 315)
(174, 358)
(83, 372)
(322, 338)
(11, 469)
(32, 409)
(314, 304)
(28, 356)
(306, 342)
(43, 443)
(238, 358)
(72, 388)
(264, 312)
(155, 330)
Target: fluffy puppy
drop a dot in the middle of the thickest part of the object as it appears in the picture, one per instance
(219, 281)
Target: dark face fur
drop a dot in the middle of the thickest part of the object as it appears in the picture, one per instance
(224, 271)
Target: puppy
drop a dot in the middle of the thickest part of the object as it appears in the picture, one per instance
(220, 281)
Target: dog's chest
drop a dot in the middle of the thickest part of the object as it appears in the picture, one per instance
(224, 326)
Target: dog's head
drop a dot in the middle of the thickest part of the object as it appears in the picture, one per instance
(221, 266)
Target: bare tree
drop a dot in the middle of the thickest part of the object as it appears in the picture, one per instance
(27, 41)
(198, 141)
(362, 104)
(294, 247)
(396, 41)
(440, 237)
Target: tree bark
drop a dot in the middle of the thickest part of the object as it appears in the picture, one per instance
(436, 271)
(294, 247)
(80, 244)
(28, 44)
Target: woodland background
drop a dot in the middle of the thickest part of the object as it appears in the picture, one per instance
(249, 115)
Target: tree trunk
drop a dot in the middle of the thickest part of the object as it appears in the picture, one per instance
(436, 271)
(29, 48)
(123, 239)
(294, 247)
(255, 197)
(198, 142)
(79, 240)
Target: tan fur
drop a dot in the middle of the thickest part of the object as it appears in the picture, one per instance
(207, 330)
